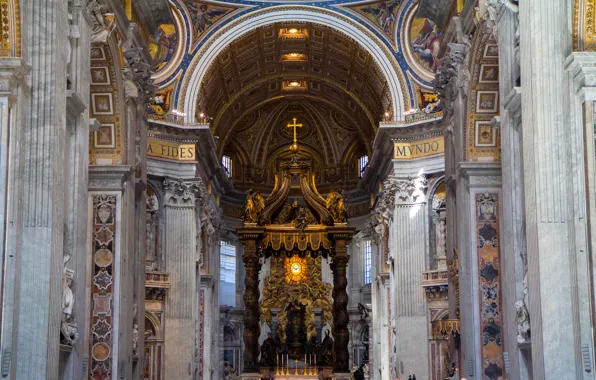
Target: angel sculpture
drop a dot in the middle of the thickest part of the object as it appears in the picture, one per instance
(384, 13)
(203, 16)
(253, 206)
(336, 206)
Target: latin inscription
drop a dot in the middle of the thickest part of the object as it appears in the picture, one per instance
(171, 150)
(416, 149)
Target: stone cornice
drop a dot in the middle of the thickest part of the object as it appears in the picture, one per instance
(479, 174)
(109, 177)
(75, 104)
(582, 68)
(12, 70)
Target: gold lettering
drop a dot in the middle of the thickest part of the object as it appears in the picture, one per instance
(171, 150)
(415, 149)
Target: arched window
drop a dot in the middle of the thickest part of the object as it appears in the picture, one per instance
(226, 162)
(227, 273)
(367, 254)
(362, 164)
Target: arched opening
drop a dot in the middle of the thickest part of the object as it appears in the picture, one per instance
(205, 57)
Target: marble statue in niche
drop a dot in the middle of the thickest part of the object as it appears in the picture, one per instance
(152, 209)
(135, 340)
(68, 327)
(523, 322)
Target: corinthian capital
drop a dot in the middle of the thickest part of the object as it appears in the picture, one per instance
(182, 193)
(411, 191)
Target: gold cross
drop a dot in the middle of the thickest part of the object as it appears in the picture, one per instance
(295, 126)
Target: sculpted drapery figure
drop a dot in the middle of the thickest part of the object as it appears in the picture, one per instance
(326, 350)
(253, 206)
(268, 351)
(68, 328)
(336, 206)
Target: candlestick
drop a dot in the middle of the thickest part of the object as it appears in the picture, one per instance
(296, 367)
(287, 364)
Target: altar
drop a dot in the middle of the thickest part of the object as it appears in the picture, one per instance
(293, 231)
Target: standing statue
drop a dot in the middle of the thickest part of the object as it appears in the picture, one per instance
(326, 350)
(336, 206)
(135, 340)
(268, 351)
(253, 206)
(68, 327)
(100, 30)
(523, 322)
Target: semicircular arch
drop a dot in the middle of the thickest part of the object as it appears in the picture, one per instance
(204, 58)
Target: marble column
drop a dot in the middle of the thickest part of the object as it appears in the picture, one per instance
(252, 328)
(341, 318)
(551, 191)
(182, 310)
(410, 250)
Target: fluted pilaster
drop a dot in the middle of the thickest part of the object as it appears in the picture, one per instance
(409, 250)
(39, 297)
(545, 44)
(182, 302)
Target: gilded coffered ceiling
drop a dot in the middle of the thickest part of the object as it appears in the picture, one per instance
(272, 74)
(315, 64)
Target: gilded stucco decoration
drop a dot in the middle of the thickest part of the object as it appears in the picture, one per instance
(309, 291)
(10, 28)
(483, 138)
(105, 144)
(584, 25)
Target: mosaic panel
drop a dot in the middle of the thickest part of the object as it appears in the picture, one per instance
(203, 15)
(382, 14)
(487, 227)
(425, 41)
(102, 307)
